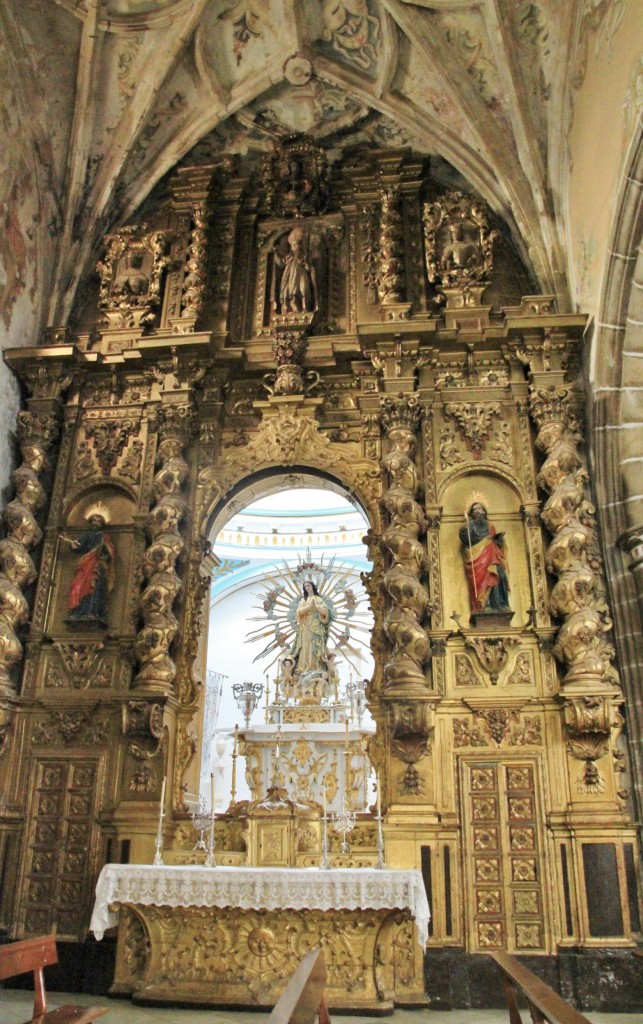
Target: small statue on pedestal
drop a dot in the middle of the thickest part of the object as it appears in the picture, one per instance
(485, 553)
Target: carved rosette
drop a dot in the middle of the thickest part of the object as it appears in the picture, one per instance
(195, 266)
(390, 273)
(163, 586)
(577, 598)
(36, 434)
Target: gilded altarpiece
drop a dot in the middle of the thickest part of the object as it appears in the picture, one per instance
(359, 338)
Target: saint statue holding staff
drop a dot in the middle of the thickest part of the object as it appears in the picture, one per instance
(484, 552)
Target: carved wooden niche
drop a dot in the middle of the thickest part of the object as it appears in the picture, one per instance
(502, 519)
(301, 275)
(93, 592)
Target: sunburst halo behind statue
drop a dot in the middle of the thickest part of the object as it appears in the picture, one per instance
(295, 594)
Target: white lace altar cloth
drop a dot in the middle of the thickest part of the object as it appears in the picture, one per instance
(259, 889)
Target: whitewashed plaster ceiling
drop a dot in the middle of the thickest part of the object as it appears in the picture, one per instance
(131, 87)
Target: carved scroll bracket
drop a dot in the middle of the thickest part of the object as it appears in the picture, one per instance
(411, 725)
(492, 652)
(589, 722)
(143, 726)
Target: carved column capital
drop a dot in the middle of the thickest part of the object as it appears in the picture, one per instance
(400, 412)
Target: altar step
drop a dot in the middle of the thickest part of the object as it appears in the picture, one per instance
(16, 1006)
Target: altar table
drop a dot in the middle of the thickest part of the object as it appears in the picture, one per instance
(232, 936)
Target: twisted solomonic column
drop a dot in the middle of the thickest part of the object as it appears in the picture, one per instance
(36, 434)
(391, 278)
(153, 642)
(195, 266)
(409, 599)
(590, 689)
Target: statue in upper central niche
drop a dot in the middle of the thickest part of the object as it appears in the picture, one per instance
(294, 287)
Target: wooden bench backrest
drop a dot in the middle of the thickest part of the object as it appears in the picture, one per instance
(30, 955)
(544, 1003)
(304, 994)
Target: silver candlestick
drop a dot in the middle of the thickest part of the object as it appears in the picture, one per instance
(201, 822)
(325, 859)
(381, 863)
(158, 842)
(344, 822)
(158, 847)
(210, 862)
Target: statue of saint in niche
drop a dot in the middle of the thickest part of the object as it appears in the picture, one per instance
(459, 253)
(294, 285)
(93, 577)
(131, 278)
(484, 552)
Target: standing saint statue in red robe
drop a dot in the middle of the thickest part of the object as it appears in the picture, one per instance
(93, 578)
(484, 552)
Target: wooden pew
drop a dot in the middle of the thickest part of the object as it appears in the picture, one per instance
(303, 997)
(544, 1004)
(33, 955)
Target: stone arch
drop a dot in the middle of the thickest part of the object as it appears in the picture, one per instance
(271, 481)
(617, 438)
(489, 469)
(97, 489)
(288, 438)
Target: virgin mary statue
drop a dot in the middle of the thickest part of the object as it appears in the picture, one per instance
(310, 649)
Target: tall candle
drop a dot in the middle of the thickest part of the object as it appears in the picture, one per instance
(379, 799)
(236, 740)
(163, 795)
(347, 732)
(324, 799)
(212, 790)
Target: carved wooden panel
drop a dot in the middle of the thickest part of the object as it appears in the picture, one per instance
(504, 861)
(57, 859)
